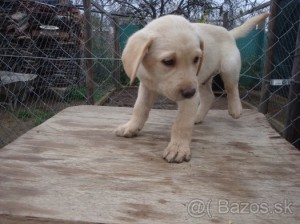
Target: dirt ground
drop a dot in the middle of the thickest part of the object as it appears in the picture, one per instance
(11, 127)
(126, 98)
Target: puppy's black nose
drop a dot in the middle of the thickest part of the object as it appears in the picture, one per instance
(188, 92)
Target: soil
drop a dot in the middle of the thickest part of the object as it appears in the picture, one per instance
(127, 97)
(11, 127)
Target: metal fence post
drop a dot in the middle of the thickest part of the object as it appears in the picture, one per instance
(116, 72)
(268, 67)
(225, 20)
(292, 121)
(88, 51)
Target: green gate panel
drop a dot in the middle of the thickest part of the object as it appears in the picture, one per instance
(252, 53)
(126, 30)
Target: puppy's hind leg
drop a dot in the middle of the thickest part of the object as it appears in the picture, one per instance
(142, 107)
(207, 98)
(230, 75)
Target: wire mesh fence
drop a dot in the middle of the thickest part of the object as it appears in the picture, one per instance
(272, 92)
(44, 63)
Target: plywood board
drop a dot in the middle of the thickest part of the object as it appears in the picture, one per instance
(72, 168)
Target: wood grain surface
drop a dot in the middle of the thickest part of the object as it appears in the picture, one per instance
(73, 169)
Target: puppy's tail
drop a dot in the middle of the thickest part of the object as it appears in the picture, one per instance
(244, 29)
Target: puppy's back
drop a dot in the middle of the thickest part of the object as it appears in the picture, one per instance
(216, 34)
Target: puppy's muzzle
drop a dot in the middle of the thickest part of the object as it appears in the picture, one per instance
(188, 92)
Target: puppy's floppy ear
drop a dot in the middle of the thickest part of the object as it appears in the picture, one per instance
(134, 52)
(202, 55)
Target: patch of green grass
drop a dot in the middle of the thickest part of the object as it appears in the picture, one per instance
(80, 94)
(24, 115)
(41, 117)
(76, 94)
(98, 94)
(37, 116)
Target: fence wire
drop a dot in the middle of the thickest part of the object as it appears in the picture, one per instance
(273, 79)
(43, 66)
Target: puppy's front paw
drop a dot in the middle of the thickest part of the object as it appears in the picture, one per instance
(199, 119)
(235, 110)
(127, 131)
(177, 153)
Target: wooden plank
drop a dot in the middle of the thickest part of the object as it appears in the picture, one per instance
(73, 168)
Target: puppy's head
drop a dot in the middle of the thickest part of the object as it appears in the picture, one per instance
(166, 56)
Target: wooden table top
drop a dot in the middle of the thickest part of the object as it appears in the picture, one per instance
(72, 168)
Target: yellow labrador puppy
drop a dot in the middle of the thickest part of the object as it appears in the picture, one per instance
(178, 59)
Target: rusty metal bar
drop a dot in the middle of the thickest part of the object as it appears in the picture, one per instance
(88, 51)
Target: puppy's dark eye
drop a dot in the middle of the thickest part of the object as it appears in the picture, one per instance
(169, 62)
(196, 59)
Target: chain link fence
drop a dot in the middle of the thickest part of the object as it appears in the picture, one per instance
(274, 70)
(46, 64)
